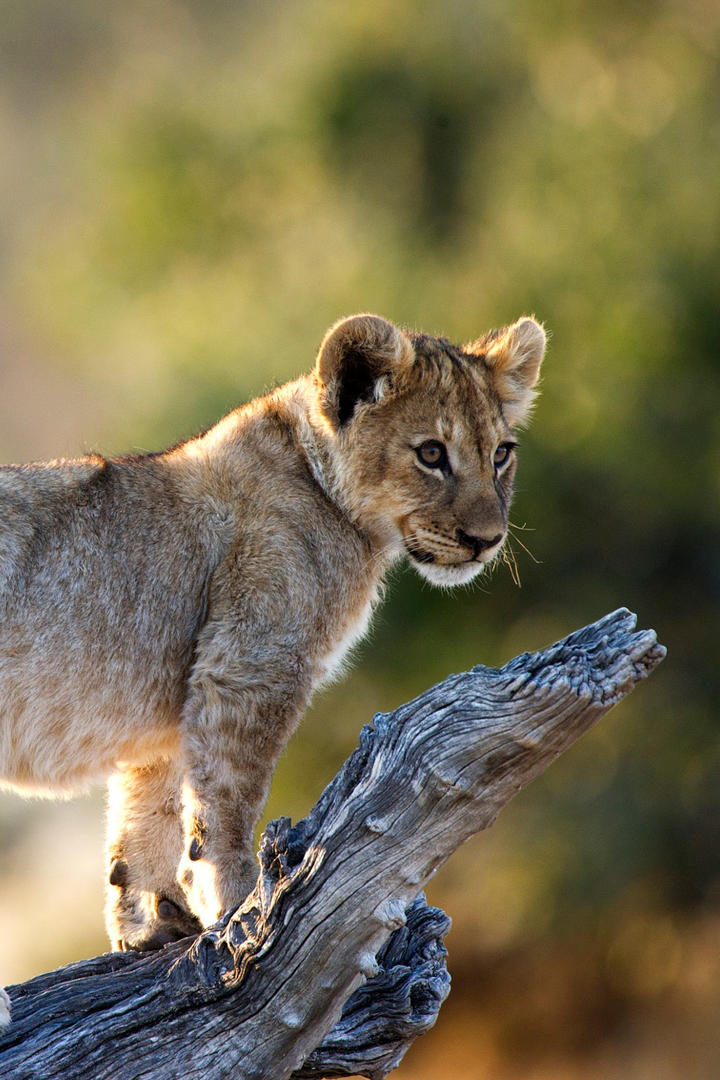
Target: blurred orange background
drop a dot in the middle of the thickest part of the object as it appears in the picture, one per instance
(193, 190)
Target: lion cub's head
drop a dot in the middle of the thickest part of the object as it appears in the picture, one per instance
(423, 436)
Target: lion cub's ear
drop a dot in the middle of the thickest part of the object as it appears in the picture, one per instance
(357, 357)
(514, 355)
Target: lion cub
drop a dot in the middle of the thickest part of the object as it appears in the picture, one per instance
(165, 618)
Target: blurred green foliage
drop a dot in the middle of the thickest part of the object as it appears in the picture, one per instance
(199, 189)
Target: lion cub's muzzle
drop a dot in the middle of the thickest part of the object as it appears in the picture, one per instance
(428, 545)
(478, 544)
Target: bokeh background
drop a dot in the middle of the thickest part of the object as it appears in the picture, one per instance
(192, 191)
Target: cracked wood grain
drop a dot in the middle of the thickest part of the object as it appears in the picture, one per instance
(333, 964)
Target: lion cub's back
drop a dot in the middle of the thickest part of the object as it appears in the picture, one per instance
(103, 576)
(28, 495)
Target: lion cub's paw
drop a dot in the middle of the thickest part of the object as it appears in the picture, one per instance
(213, 894)
(4, 1009)
(141, 920)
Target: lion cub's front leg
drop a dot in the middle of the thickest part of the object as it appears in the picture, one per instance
(146, 906)
(238, 719)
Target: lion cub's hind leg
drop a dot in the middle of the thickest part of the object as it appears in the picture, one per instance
(146, 907)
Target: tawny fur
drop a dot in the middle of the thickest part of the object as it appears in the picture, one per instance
(165, 618)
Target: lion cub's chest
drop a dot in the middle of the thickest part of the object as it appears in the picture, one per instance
(333, 661)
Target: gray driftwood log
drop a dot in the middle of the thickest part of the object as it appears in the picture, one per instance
(261, 995)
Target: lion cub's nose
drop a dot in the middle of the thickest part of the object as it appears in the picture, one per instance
(477, 544)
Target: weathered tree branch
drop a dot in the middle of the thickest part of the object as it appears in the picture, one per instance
(258, 996)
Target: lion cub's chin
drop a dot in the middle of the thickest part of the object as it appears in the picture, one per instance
(449, 576)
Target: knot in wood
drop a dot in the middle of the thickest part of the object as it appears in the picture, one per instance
(368, 965)
(294, 1020)
(377, 825)
(450, 783)
(391, 914)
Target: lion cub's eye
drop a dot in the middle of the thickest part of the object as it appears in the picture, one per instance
(432, 454)
(502, 454)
